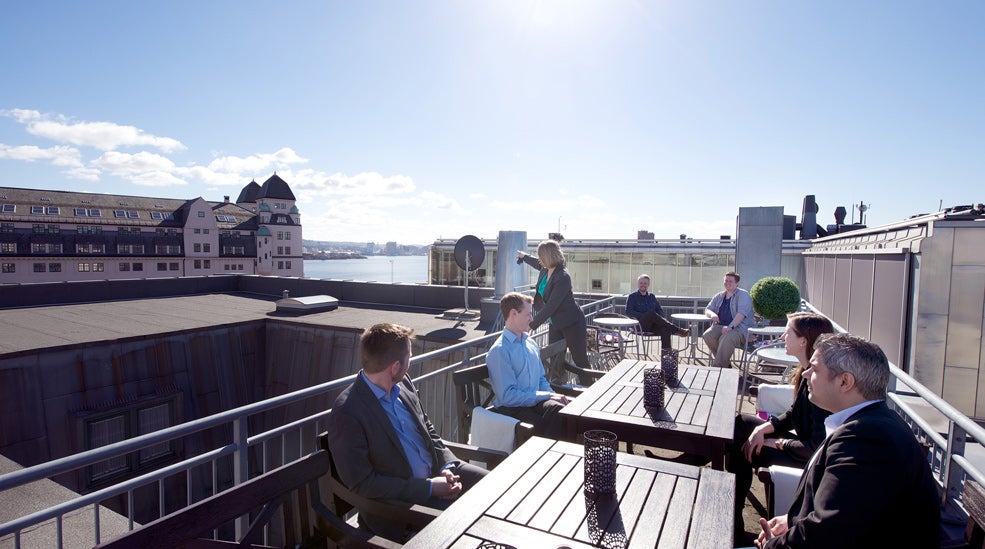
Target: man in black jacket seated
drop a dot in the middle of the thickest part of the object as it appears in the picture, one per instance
(868, 485)
(384, 445)
(644, 307)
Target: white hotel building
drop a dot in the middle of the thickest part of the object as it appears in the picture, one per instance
(56, 236)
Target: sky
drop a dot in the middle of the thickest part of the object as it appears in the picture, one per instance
(410, 121)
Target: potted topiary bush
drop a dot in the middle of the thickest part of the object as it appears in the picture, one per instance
(773, 297)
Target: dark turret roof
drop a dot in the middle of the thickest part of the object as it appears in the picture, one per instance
(249, 193)
(275, 187)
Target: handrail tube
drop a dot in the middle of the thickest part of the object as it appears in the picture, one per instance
(110, 491)
(88, 457)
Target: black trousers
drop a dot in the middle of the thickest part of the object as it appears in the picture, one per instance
(743, 469)
(543, 416)
(574, 336)
(656, 324)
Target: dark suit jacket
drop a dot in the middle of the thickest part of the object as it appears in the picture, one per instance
(368, 454)
(870, 486)
(558, 301)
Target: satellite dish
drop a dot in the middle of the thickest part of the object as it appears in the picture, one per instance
(469, 253)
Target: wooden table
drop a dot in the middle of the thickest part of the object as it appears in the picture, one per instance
(536, 498)
(698, 416)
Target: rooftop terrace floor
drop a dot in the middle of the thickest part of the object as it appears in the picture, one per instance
(31, 328)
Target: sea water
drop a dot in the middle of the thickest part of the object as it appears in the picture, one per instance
(378, 268)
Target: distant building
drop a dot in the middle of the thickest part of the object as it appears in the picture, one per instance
(391, 248)
(56, 236)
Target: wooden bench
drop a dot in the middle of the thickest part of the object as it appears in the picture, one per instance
(343, 502)
(973, 500)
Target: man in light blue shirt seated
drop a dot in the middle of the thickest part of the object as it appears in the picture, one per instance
(517, 374)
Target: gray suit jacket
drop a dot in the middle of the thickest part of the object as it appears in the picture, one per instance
(368, 454)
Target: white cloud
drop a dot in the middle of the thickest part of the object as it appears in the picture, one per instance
(209, 176)
(126, 164)
(257, 162)
(85, 174)
(439, 201)
(58, 156)
(106, 136)
(366, 184)
(585, 202)
(478, 196)
(156, 179)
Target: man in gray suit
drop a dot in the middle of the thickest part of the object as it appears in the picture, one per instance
(383, 443)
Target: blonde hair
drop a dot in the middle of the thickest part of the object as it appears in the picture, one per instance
(549, 253)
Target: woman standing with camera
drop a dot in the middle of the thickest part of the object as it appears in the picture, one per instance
(555, 304)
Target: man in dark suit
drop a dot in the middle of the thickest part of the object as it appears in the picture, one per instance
(869, 484)
(383, 444)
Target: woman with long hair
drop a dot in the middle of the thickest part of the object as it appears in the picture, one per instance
(793, 436)
(554, 303)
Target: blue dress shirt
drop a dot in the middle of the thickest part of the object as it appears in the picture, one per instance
(516, 372)
(406, 426)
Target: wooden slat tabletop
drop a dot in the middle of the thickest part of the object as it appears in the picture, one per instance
(698, 415)
(536, 498)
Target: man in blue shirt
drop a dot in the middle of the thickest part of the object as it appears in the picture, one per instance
(517, 374)
(644, 307)
(731, 317)
(383, 444)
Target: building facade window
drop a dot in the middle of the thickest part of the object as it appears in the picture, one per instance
(201, 214)
(208, 263)
(124, 267)
(287, 250)
(162, 266)
(138, 266)
(196, 246)
(8, 268)
(38, 228)
(206, 248)
(40, 268)
(9, 208)
(8, 247)
(280, 264)
(84, 267)
(287, 236)
(172, 266)
(287, 264)
(6, 227)
(89, 248)
(98, 267)
(54, 267)
(198, 263)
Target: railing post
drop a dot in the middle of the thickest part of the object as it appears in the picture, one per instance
(953, 475)
(241, 466)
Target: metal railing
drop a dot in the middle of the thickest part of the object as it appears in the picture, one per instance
(947, 455)
(295, 438)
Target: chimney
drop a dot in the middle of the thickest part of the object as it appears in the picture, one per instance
(227, 198)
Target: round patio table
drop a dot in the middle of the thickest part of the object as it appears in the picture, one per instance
(693, 323)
